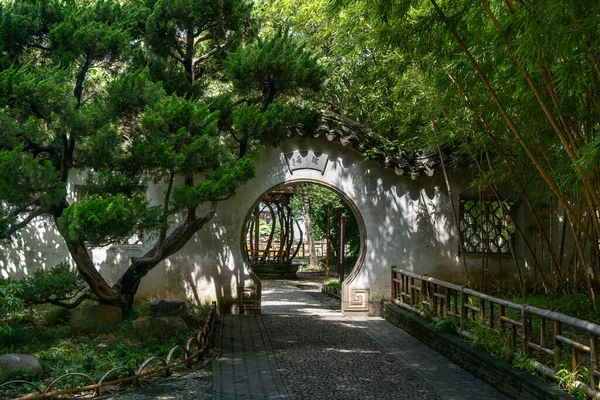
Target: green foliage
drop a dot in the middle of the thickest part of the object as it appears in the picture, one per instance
(579, 305)
(273, 67)
(23, 179)
(10, 301)
(447, 324)
(218, 185)
(169, 92)
(319, 198)
(58, 283)
(401, 70)
(103, 220)
(334, 283)
(272, 124)
(46, 333)
(566, 379)
(177, 135)
(524, 363)
(492, 341)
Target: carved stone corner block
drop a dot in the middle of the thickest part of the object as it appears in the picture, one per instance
(358, 300)
(248, 298)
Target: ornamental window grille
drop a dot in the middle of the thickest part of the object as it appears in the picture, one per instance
(483, 228)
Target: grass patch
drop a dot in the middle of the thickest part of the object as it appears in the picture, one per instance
(44, 331)
(333, 283)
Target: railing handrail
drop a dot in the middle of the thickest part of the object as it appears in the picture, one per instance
(584, 325)
(187, 358)
(428, 279)
(493, 299)
(453, 299)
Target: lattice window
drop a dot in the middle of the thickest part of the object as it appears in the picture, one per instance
(483, 228)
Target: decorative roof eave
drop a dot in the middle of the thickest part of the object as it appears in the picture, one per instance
(351, 134)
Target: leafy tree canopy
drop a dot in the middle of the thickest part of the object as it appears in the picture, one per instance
(132, 93)
(509, 87)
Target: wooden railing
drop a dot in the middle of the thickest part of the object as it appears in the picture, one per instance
(304, 251)
(192, 352)
(537, 333)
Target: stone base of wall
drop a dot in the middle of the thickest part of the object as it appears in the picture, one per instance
(506, 379)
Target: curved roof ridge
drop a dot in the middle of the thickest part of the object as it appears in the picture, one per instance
(351, 134)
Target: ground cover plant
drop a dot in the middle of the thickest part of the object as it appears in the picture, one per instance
(44, 331)
(498, 341)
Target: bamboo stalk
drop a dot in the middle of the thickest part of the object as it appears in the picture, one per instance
(569, 144)
(553, 187)
(461, 250)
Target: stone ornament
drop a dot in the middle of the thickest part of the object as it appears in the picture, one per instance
(306, 159)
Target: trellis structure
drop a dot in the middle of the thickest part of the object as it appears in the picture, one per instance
(273, 257)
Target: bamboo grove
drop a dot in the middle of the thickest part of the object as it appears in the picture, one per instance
(510, 87)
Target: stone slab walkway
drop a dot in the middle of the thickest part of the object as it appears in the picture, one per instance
(246, 367)
(302, 347)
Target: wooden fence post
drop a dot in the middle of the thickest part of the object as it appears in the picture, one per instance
(525, 329)
(594, 361)
(557, 344)
(463, 309)
(394, 283)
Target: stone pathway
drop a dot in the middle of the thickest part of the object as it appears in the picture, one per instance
(246, 367)
(322, 354)
(302, 347)
(195, 385)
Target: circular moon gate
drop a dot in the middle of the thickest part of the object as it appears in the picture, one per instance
(267, 258)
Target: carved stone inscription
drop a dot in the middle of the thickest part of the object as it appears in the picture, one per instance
(306, 159)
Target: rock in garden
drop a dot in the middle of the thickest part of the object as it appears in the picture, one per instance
(96, 318)
(168, 308)
(13, 366)
(160, 324)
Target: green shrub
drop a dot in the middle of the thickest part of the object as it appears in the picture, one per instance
(447, 323)
(56, 316)
(10, 302)
(492, 341)
(566, 379)
(524, 363)
(58, 283)
(333, 283)
(142, 307)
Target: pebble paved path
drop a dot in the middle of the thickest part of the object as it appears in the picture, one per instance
(195, 385)
(322, 354)
(302, 347)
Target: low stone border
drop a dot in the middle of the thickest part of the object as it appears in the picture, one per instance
(506, 379)
(200, 342)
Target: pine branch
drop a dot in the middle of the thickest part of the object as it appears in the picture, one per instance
(22, 224)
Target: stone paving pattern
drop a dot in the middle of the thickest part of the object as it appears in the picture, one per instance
(195, 385)
(322, 354)
(246, 368)
(302, 347)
